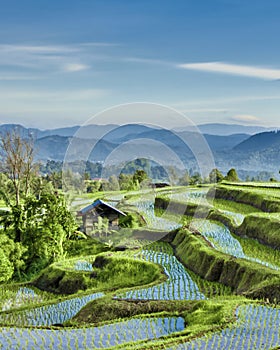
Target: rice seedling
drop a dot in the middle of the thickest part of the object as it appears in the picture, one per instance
(105, 336)
(48, 314)
(222, 240)
(257, 327)
(179, 285)
(15, 296)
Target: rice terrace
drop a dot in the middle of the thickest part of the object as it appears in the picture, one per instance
(144, 277)
(139, 175)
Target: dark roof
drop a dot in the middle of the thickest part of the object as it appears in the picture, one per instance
(98, 203)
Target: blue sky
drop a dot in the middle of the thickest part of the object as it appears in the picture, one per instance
(63, 61)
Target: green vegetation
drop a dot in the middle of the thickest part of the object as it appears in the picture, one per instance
(196, 313)
(108, 272)
(236, 273)
(253, 248)
(264, 228)
(234, 206)
(264, 199)
(232, 176)
(191, 283)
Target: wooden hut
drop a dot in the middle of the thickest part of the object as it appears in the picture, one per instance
(99, 208)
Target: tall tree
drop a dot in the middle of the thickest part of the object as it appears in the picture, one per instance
(215, 176)
(17, 155)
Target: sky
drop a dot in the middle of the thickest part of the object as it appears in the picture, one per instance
(217, 61)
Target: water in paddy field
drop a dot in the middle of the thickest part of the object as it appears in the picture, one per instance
(91, 338)
(197, 196)
(222, 240)
(257, 328)
(147, 209)
(179, 285)
(238, 218)
(48, 315)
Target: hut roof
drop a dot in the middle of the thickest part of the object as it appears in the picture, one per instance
(99, 203)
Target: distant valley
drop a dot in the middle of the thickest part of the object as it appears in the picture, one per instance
(249, 149)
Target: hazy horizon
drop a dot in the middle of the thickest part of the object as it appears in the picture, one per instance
(100, 124)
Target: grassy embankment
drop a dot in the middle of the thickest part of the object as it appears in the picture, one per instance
(244, 277)
(264, 242)
(201, 317)
(109, 272)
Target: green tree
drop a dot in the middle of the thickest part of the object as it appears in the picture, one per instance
(6, 267)
(40, 226)
(11, 258)
(196, 179)
(126, 182)
(215, 176)
(139, 178)
(232, 176)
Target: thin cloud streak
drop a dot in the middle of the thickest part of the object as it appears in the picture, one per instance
(229, 100)
(75, 67)
(148, 61)
(234, 69)
(52, 58)
(64, 95)
(204, 110)
(245, 118)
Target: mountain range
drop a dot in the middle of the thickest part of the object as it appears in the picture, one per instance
(247, 148)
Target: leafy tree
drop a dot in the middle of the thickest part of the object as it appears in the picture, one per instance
(55, 178)
(195, 179)
(93, 186)
(11, 258)
(6, 267)
(215, 176)
(126, 182)
(232, 176)
(38, 223)
(139, 177)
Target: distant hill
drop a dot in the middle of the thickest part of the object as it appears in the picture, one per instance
(54, 148)
(229, 129)
(87, 132)
(259, 142)
(51, 147)
(247, 153)
(68, 132)
(24, 132)
(127, 132)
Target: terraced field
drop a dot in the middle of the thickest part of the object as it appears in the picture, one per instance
(172, 312)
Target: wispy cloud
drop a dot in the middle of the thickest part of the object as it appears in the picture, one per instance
(218, 103)
(245, 118)
(46, 95)
(75, 67)
(204, 110)
(52, 58)
(37, 49)
(148, 61)
(234, 69)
